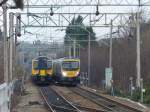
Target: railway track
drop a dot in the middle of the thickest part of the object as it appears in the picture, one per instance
(56, 102)
(108, 104)
(83, 108)
(89, 109)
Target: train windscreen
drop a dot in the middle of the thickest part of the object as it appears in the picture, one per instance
(49, 64)
(70, 65)
(35, 64)
(42, 63)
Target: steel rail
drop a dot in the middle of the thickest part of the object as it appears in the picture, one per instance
(113, 101)
(62, 108)
(92, 99)
(65, 99)
(84, 108)
(46, 101)
(53, 105)
(90, 109)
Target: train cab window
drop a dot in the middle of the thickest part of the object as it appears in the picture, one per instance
(35, 64)
(49, 64)
(72, 65)
(42, 63)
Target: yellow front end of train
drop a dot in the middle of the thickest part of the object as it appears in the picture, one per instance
(67, 71)
(42, 70)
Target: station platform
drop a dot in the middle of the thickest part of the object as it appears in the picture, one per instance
(31, 101)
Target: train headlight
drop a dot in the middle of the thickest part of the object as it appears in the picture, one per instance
(64, 74)
(77, 73)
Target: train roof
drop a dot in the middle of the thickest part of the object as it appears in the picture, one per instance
(40, 57)
(67, 59)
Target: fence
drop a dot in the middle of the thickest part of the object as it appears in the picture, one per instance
(5, 94)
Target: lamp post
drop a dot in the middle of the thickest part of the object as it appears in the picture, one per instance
(110, 58)
(89, 58)
(11, 35)
(110, 47)
(5, 43)
(138, 59)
